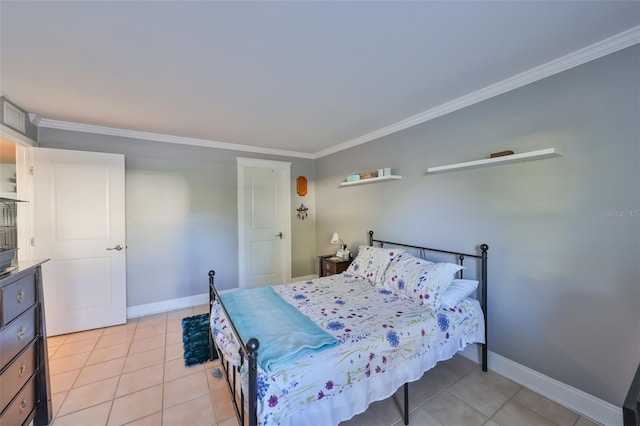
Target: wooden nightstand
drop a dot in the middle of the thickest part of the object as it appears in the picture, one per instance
(330, 265)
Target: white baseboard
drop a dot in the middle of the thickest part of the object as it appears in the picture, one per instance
(574, 399)
(167, 305)
(304, 278)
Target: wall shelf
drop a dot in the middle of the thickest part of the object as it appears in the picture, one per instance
(370, 180)
(513, 158)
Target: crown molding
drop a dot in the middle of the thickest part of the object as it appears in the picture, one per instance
(157, 137)
(597, 50)
(15, 137)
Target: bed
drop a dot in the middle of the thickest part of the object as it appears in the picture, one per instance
(329, 347)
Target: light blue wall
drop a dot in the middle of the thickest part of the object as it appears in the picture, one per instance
(181, 213)
(564, 233)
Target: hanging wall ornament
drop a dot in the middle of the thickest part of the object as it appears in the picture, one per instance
(301, 186)
(302, 212)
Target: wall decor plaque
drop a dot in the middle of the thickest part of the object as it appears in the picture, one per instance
(301, 186)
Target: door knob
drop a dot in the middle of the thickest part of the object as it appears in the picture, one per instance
(279, 235)
(118, 247)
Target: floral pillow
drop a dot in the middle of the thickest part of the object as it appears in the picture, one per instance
(419, 279)
(371, 263)
(397, 274)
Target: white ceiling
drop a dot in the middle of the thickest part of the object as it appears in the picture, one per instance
(300, 77)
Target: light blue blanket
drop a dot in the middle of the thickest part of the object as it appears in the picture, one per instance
(285, 334)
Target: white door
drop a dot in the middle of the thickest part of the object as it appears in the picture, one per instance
(264, 201)
(79, 223)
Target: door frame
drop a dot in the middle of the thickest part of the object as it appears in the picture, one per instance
(285, 174)
(24, 176)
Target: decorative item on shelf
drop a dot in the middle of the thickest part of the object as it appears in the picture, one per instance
(358, 181)
(342, 251)
(380, 172)
(301, 186)
(353, 178)
(501, 154)
(368, 175)
(387, 171)
(302, 212)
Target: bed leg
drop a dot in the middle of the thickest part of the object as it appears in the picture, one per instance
(406, 403)
(212, 297)
(484, 357)
(484, 300)
(252, 346)
(211, 346)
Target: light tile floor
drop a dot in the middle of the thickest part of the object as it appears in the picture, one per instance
(134, 374)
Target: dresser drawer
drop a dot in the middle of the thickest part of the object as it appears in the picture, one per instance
(17, 335)
(16, 375)
(16, 298)
(21, 406)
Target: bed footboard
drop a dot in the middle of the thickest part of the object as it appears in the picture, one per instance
(248, 354)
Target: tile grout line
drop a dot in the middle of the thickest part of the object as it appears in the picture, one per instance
(85, 365)
(164, 363)
(113, 400)
(462, 400)
(135, 329)
(139, 390)
(439, 392)
(68, 391)
(503, 405)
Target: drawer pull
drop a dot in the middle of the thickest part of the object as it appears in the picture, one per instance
(21, 333)
(23, 405)
(22, 369)
(20, 296)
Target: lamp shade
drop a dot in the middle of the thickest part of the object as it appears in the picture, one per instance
(335, 239)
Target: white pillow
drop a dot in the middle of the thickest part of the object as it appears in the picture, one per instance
(457, 291)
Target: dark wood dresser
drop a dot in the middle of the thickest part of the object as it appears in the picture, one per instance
(25, 395)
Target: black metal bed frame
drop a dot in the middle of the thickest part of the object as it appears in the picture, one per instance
(483, 296)
(249, 351)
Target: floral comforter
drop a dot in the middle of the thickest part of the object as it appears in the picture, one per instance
(384, 340)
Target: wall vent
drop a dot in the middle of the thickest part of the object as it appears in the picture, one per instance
(14, 117)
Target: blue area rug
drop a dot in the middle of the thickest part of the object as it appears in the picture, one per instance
(195, 340)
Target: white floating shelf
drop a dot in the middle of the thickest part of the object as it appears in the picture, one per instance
(370, 180)
(513, 158)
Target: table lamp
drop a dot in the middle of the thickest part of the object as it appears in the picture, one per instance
(342, 250)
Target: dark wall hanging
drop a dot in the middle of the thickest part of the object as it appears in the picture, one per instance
(302, 211)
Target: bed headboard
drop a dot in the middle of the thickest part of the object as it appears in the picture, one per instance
(460, 258)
